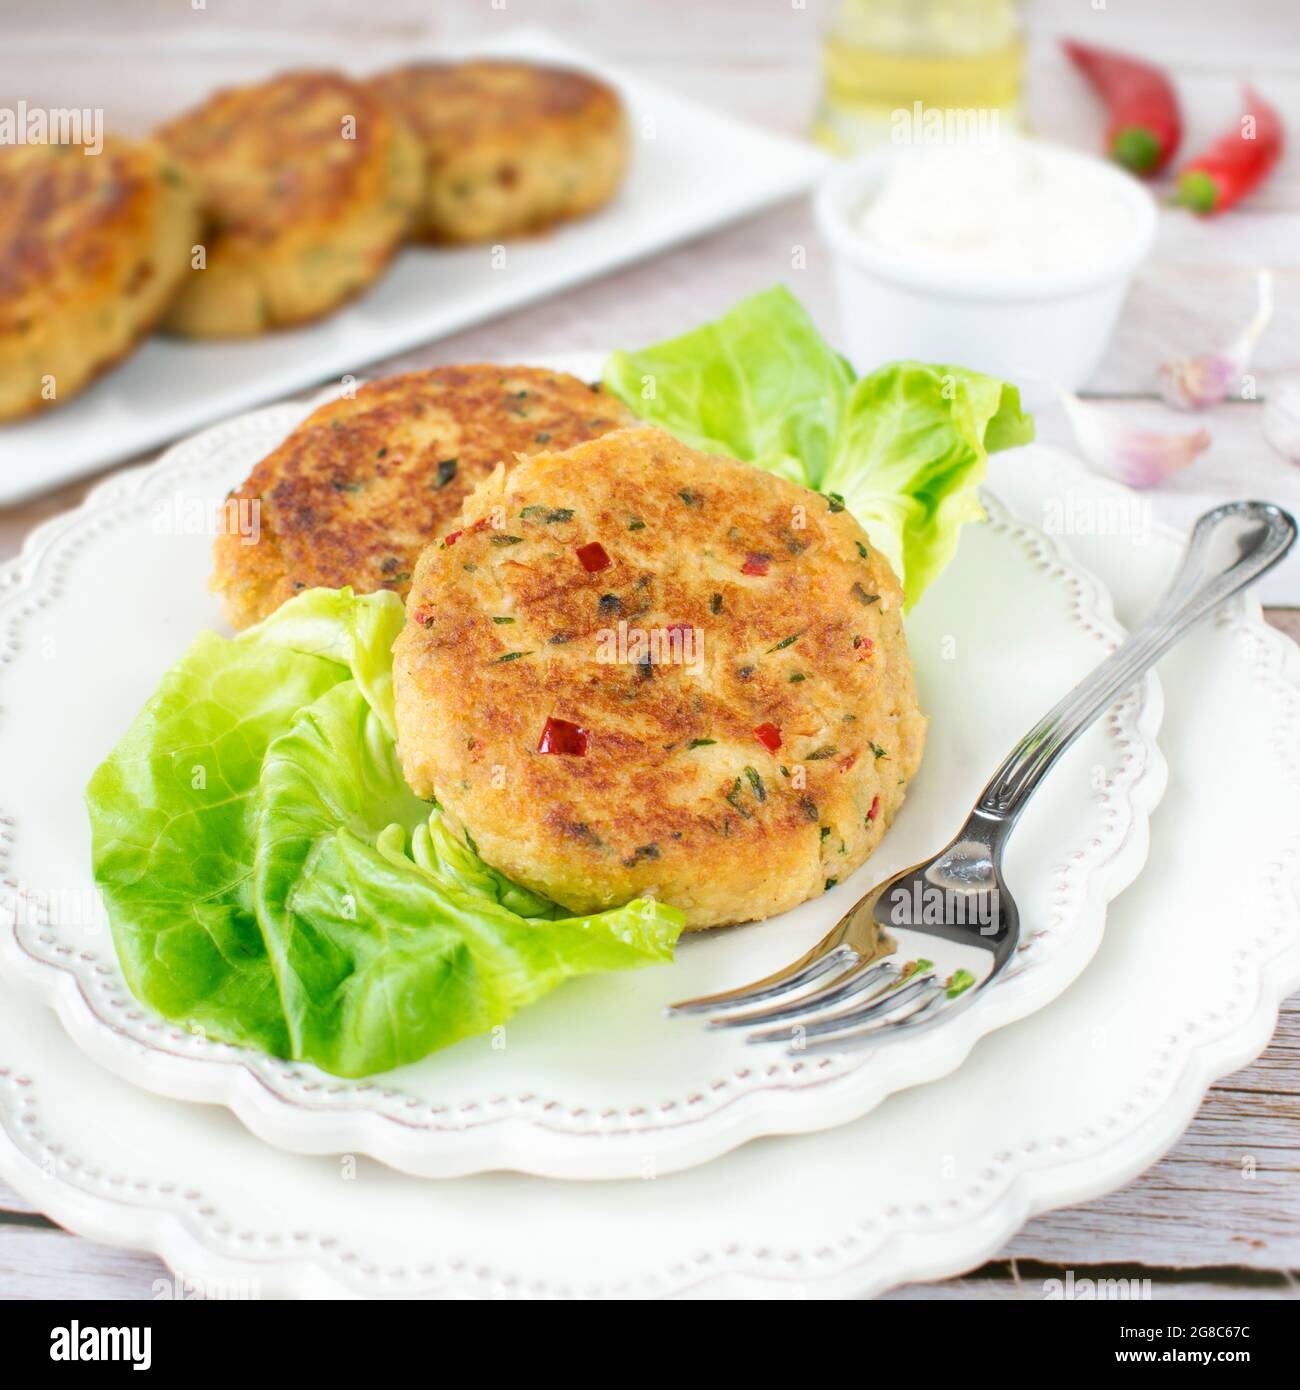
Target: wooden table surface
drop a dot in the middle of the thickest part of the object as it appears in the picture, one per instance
(1190, 1224)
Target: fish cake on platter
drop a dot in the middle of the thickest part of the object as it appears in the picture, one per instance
(508, 147)
(92, 247)
(307, 184)
(358, 490)
(636, 669)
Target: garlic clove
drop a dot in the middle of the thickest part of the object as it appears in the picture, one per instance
(1281, 419)
(1192, 383)
(1139, 458)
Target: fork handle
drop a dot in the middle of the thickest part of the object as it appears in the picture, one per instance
(1229, 548)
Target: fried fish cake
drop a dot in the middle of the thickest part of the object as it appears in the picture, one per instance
(91, 249)
(642, 670)
(307, 184)
(363, 485)
(508, 147)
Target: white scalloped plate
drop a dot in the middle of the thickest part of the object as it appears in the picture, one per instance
(1055, 1109)
(593, 1081)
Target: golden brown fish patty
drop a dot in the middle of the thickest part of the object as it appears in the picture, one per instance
(91, 249)
(508, 147)
(363, 485)
(307, 183)
(732, 774)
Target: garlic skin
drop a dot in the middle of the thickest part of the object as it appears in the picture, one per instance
(1193, 383)
(1281, 419)
(1138, 458)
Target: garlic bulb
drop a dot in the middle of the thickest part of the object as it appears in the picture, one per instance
(1281, 419)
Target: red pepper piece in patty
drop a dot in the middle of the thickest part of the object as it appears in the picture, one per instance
(562, 736)
(593, 557)
(1238, 162)
(875, 808)
(756, 564)
(769, 736)
(1146, 123)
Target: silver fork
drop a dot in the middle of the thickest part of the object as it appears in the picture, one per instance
(869, 1000)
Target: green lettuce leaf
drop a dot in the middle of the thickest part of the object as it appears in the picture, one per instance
(271, 881)
(906, 446)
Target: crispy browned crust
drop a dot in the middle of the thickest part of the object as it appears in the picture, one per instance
(307, 184)
(508, 147)
(361, 486)
(726, 830)
(91, 249)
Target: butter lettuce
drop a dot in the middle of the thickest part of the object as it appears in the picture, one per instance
(905, 447)
(272, 882)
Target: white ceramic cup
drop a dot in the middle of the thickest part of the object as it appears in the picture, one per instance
(1039, 331)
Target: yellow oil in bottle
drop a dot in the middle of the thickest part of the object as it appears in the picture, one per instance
(881, 58)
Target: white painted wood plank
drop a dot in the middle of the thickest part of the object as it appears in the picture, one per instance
(53, 1265)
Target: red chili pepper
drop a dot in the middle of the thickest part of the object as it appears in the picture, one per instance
(452, 537)
(769, 736)
(863, 646)
(561, 736)
(593, 557)
(423, 614)
(756, 564)
(875, 808)
(1146, 123)
(847, 763)
(1238, 162)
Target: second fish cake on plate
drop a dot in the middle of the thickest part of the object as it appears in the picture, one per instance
(355, 493)
(508, 147)
(307, 184)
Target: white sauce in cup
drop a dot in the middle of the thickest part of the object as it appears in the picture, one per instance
(1015, 208)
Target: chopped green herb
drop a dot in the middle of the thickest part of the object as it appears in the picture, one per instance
(877, 749)
(446, 472)
(826, 831)
(541, 438)
(509, 656)
(862, 549)
(701, 743)
(835, 501)
(913, 967)
(797, 676)
(506, 540)
(715, 604)
(756, 782)
(733, 796)
(549, 515)
(503, 620)
(692, 499)
(959, 982)
(786, 642)
(381, 453)
(635, 524)
(809, 808)
(862, 596)
(827, 750)
(830, 883)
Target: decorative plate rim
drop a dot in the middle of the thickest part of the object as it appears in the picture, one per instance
(114, 1207)
(296, 1107)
